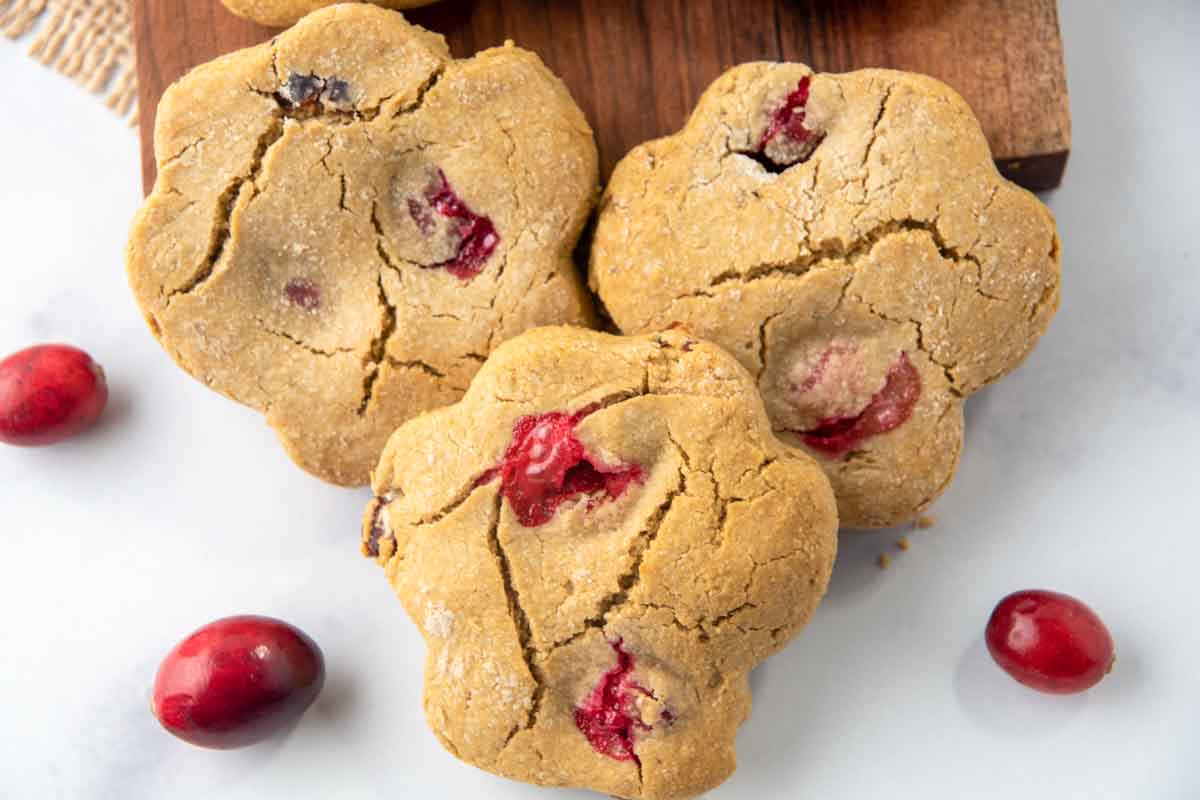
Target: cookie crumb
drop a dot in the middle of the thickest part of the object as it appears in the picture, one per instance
(926, 521)
(884, 560)
(903, 543)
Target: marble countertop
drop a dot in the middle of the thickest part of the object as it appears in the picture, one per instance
(1080, 474)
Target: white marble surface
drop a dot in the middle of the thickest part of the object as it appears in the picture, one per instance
(1080, 474)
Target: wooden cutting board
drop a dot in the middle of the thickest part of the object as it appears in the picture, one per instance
(638, 66)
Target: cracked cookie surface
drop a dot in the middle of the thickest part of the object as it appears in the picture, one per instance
(346, 221)
(849, 240)
(604, 639)
(280, 13)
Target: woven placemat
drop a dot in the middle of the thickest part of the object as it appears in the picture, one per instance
(88, 40)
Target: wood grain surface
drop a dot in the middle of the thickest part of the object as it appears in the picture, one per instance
(638, 66)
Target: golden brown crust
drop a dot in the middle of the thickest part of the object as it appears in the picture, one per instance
(279, 258)
(896, 234)
(281, 13)
(709, 565)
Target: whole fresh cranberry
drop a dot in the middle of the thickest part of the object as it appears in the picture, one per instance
(49, 393)
(237, 681)
(1050, 642)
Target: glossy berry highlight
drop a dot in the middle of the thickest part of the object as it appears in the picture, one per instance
(237, 681)
(1050, 642)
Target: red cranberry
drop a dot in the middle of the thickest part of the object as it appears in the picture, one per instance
(49, 393)
(609, 716)
(477, 236)
(237, 681)
(888, 410)
(546, 465)
(303, 293)
(788, 119)
(787, 139)
(1050, 642)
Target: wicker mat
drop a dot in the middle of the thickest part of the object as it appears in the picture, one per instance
(88, 40)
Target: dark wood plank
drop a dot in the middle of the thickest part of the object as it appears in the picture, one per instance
(638, 66)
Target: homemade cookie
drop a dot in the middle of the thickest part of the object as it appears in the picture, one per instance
(849, 240)
(598, 543)
(346, 221)
(279, 13)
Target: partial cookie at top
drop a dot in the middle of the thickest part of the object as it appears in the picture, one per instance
(346, 221)
(849, 240)
(598, 543)
(280, 13)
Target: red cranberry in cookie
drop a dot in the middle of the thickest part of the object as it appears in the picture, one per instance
(841, 377)
(615, 711)
(786, 139)
(474, 237)
(546, 465)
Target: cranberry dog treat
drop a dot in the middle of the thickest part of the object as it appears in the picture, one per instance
(346, 221)
(279, 13)
(849, 240)
(598, 543)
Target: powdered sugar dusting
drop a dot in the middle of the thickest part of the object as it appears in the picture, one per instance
(439, 620)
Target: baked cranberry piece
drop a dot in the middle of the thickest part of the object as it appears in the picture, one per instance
(609, 717)
(301, 89)
(890, 408)
(546, 465)
(49, 393)
(237, 681)
(477, 236)
(786, 139)
(303, 293)
(1050, 642)
(380, 527)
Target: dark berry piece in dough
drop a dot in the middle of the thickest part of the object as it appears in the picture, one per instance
(379, 525)
(303, 293)
(300, 89)
(337, 91)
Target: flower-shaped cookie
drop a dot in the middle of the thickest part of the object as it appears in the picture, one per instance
(598, 543)
(346, 221)
(849, 240)
(279, 13)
